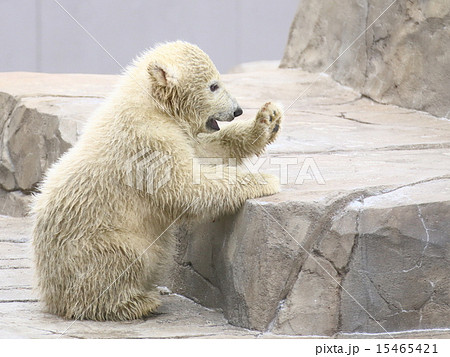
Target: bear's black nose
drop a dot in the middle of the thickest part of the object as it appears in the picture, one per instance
(238, 112)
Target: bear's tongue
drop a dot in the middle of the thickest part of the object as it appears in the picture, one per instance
(212, 123)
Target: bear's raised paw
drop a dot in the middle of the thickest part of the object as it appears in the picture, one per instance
(268, 121)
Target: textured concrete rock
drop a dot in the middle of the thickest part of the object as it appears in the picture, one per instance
(400, 267)
(40, 118)
(14, 203)
(312, 306)
(245, 261)
(354, 174)
(400, 59)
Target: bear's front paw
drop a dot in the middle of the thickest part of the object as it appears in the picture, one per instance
(260, 184)
(270, 185)
(267, 122)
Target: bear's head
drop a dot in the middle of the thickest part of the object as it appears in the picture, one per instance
(187, 85)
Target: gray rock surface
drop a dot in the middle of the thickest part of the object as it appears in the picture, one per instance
(362, 212)
(400, 261)
(401, 59)
(40, 119)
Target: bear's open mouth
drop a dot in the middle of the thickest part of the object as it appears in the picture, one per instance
(212, 124)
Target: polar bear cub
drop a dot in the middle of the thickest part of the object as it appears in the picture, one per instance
(105, 210)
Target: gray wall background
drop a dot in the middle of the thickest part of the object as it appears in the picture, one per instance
(38, 35)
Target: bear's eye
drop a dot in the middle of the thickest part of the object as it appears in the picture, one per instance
(213, 87)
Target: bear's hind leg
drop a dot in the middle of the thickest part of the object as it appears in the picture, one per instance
(112, 281)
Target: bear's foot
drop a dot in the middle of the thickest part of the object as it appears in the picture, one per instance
(140, 306)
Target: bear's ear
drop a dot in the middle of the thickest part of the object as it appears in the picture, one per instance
(163, 75)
